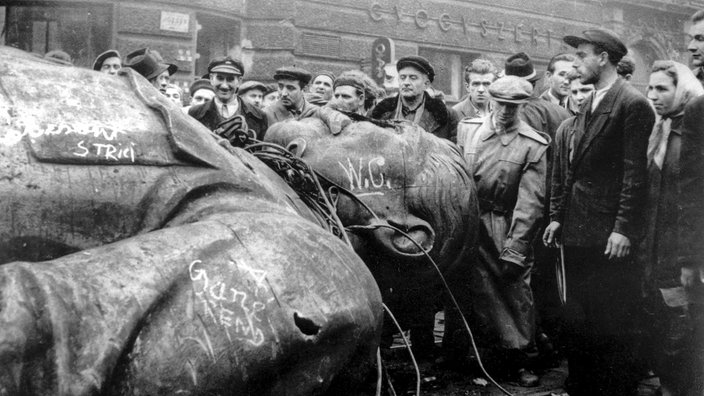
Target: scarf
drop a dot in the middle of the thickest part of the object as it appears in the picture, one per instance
(398, 114)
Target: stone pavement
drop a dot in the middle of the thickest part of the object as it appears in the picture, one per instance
(442, 382)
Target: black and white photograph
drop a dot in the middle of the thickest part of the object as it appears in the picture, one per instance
(352, 197)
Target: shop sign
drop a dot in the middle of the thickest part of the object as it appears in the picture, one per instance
(174, 21)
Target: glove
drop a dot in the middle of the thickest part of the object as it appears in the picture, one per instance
(235, 130)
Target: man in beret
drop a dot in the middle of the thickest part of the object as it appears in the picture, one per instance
(507, 159)
(354, 92)
(597, 215)
(413, 103)
(108, 62)
(225, 76)
(252, 92)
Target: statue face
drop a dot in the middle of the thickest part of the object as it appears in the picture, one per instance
(410, 179)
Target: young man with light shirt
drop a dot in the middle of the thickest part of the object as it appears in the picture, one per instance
(556, 75)
(696, 44)
(477, 78)
(225, 76)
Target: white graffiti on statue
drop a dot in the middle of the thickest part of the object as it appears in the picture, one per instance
(368, 175)
(227, 306)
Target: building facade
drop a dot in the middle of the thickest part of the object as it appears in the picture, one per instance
(337, 35)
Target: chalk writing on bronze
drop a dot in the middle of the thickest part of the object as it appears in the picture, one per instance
(227, 306)
(367, 175)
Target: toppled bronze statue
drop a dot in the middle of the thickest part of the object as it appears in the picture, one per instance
(139, 257)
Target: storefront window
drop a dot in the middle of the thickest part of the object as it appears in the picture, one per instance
(449, 67)
(217, 36)
(81, 31)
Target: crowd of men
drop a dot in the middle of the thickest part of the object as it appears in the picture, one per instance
(590, 177)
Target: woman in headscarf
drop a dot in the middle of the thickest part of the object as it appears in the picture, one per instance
(672, 85)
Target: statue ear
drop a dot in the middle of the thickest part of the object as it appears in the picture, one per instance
(297, 147)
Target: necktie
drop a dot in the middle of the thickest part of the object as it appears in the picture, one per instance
(225, 113)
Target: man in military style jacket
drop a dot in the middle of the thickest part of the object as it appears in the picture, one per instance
(507, 159)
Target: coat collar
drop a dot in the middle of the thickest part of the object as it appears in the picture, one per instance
(435, 107)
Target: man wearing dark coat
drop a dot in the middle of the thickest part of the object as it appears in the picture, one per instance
(413, 103)
(599, 212)
(225, 77)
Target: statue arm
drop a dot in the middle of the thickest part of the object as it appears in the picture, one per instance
(223, 283)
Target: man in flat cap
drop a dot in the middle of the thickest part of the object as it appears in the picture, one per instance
(252, 92)
(291, 82)
(413, 103)
(596, 214)
(225, 76)
(109, 62)
(507, 159)
(292, 104)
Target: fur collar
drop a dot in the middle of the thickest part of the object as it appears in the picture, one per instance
(435, 107)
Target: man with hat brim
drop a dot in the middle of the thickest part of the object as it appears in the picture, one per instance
(148, 63)
(507, 159)
(109, 62)
(252, 92)
(225, 76)
(541, 115)
(597, 216)
(413, 103)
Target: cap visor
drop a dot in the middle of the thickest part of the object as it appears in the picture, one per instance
(226, 70)
(504, 100)
(575, 41)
